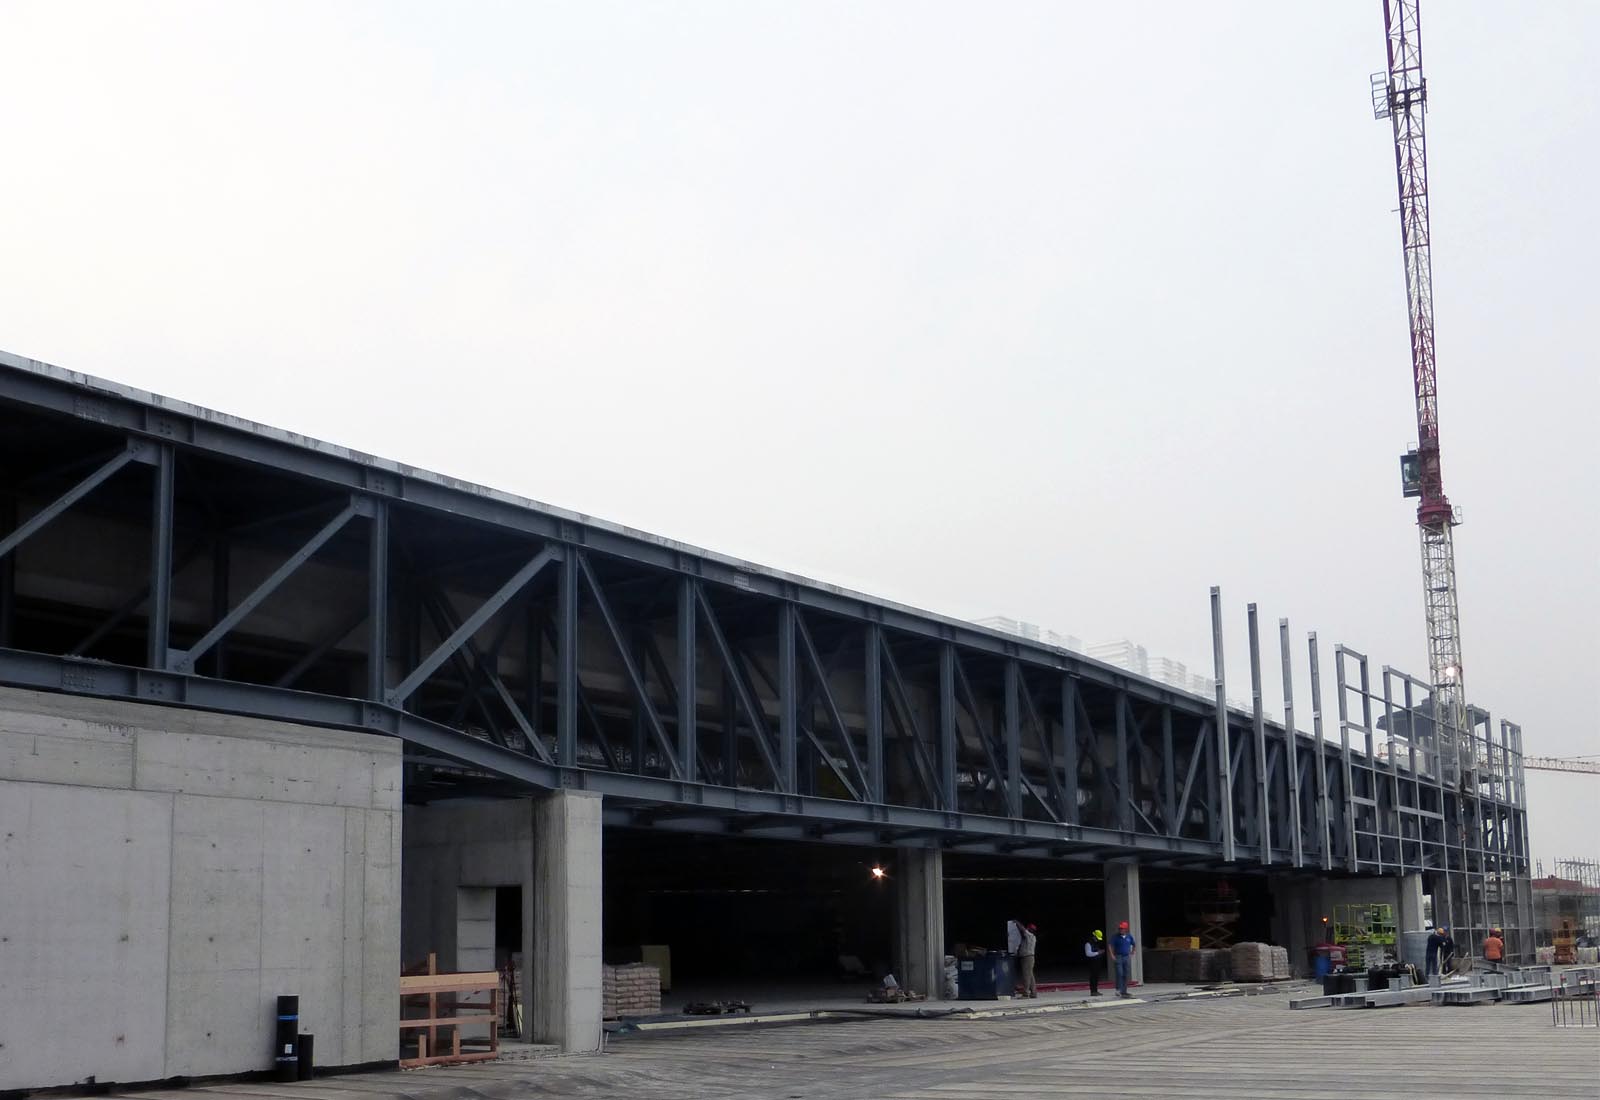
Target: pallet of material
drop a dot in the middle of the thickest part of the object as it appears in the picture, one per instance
(1158, 965)
(630, 990)
(1259, 962)
(1209, 964)
(1178, 943)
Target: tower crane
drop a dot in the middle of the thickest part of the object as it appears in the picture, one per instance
(1561, 764)
(1401, 95)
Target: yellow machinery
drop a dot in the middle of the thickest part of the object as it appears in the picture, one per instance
(1566, 943)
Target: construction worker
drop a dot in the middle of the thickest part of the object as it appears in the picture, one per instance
(1494, 949)
(1094, 949)
(1026, 952)
(1123, 946)
(1440, 951)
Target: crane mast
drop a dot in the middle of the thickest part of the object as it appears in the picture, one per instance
(1401, 95)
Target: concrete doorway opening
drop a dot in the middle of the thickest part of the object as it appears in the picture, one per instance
(778, 924)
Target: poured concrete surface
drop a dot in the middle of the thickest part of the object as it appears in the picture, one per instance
(166, 873)
(1240, 1048)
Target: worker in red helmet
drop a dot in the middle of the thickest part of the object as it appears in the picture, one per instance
(1123, 945)
(1026, 951)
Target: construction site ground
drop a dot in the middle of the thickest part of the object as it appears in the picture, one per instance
(1205, 1048)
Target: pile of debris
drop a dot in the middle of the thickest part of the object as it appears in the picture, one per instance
(630, 990)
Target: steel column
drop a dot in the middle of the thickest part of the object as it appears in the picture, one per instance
(1069, 737)
(1224, 807)
(788, 699)
(1124, 804)
(1169, 767)
(874, 706)
(1292, 740)
(1323, 814)
(1263, 785)
(566, 626)
(158, 632)
(687, 688)
(948, 742)
(378, 603)
(1013, 740)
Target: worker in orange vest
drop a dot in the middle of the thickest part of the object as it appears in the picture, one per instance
(1494, 949)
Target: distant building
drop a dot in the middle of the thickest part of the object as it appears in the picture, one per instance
(1032, 631)
(1124, 654)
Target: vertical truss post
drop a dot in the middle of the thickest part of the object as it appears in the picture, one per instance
(730, 729)
(1292, 743)
(162, 518)
(874, 700)
(1069, 737)
(1348, 785)
(687, 719)
(1013, 735)
(788, 699)
(378, 603)
(567, 661)
(1258, 720)
(947, 726)
(1323, 818)
(1169, 766)
(1124, 816)
(1224, 801)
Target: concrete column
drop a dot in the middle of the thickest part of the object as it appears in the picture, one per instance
(1122, 904)
(1410, 912)
(566, 945)
(919, 921)
(1294, 926)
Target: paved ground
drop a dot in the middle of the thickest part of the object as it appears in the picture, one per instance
(1240, 1048)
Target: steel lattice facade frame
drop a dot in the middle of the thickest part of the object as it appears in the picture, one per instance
(516, 646)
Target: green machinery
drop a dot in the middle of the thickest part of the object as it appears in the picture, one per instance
(1364, 929)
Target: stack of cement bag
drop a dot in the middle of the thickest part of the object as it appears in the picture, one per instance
(631, 990)
(1157, 965)
(1259, 962)
(1204, 966)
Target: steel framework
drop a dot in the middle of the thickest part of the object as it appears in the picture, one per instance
(155, 551)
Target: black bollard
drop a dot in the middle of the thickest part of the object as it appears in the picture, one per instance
(285, 1061)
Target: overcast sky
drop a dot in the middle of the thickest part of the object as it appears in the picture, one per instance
(1064, 312)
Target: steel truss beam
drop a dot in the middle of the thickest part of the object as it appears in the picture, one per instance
(1160, 776)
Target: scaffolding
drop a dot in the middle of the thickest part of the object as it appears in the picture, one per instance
(1571, 893)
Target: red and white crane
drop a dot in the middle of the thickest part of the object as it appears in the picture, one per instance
(1401, 95)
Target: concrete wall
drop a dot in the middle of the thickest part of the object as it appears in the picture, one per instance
(469, 843)
(165, 874)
